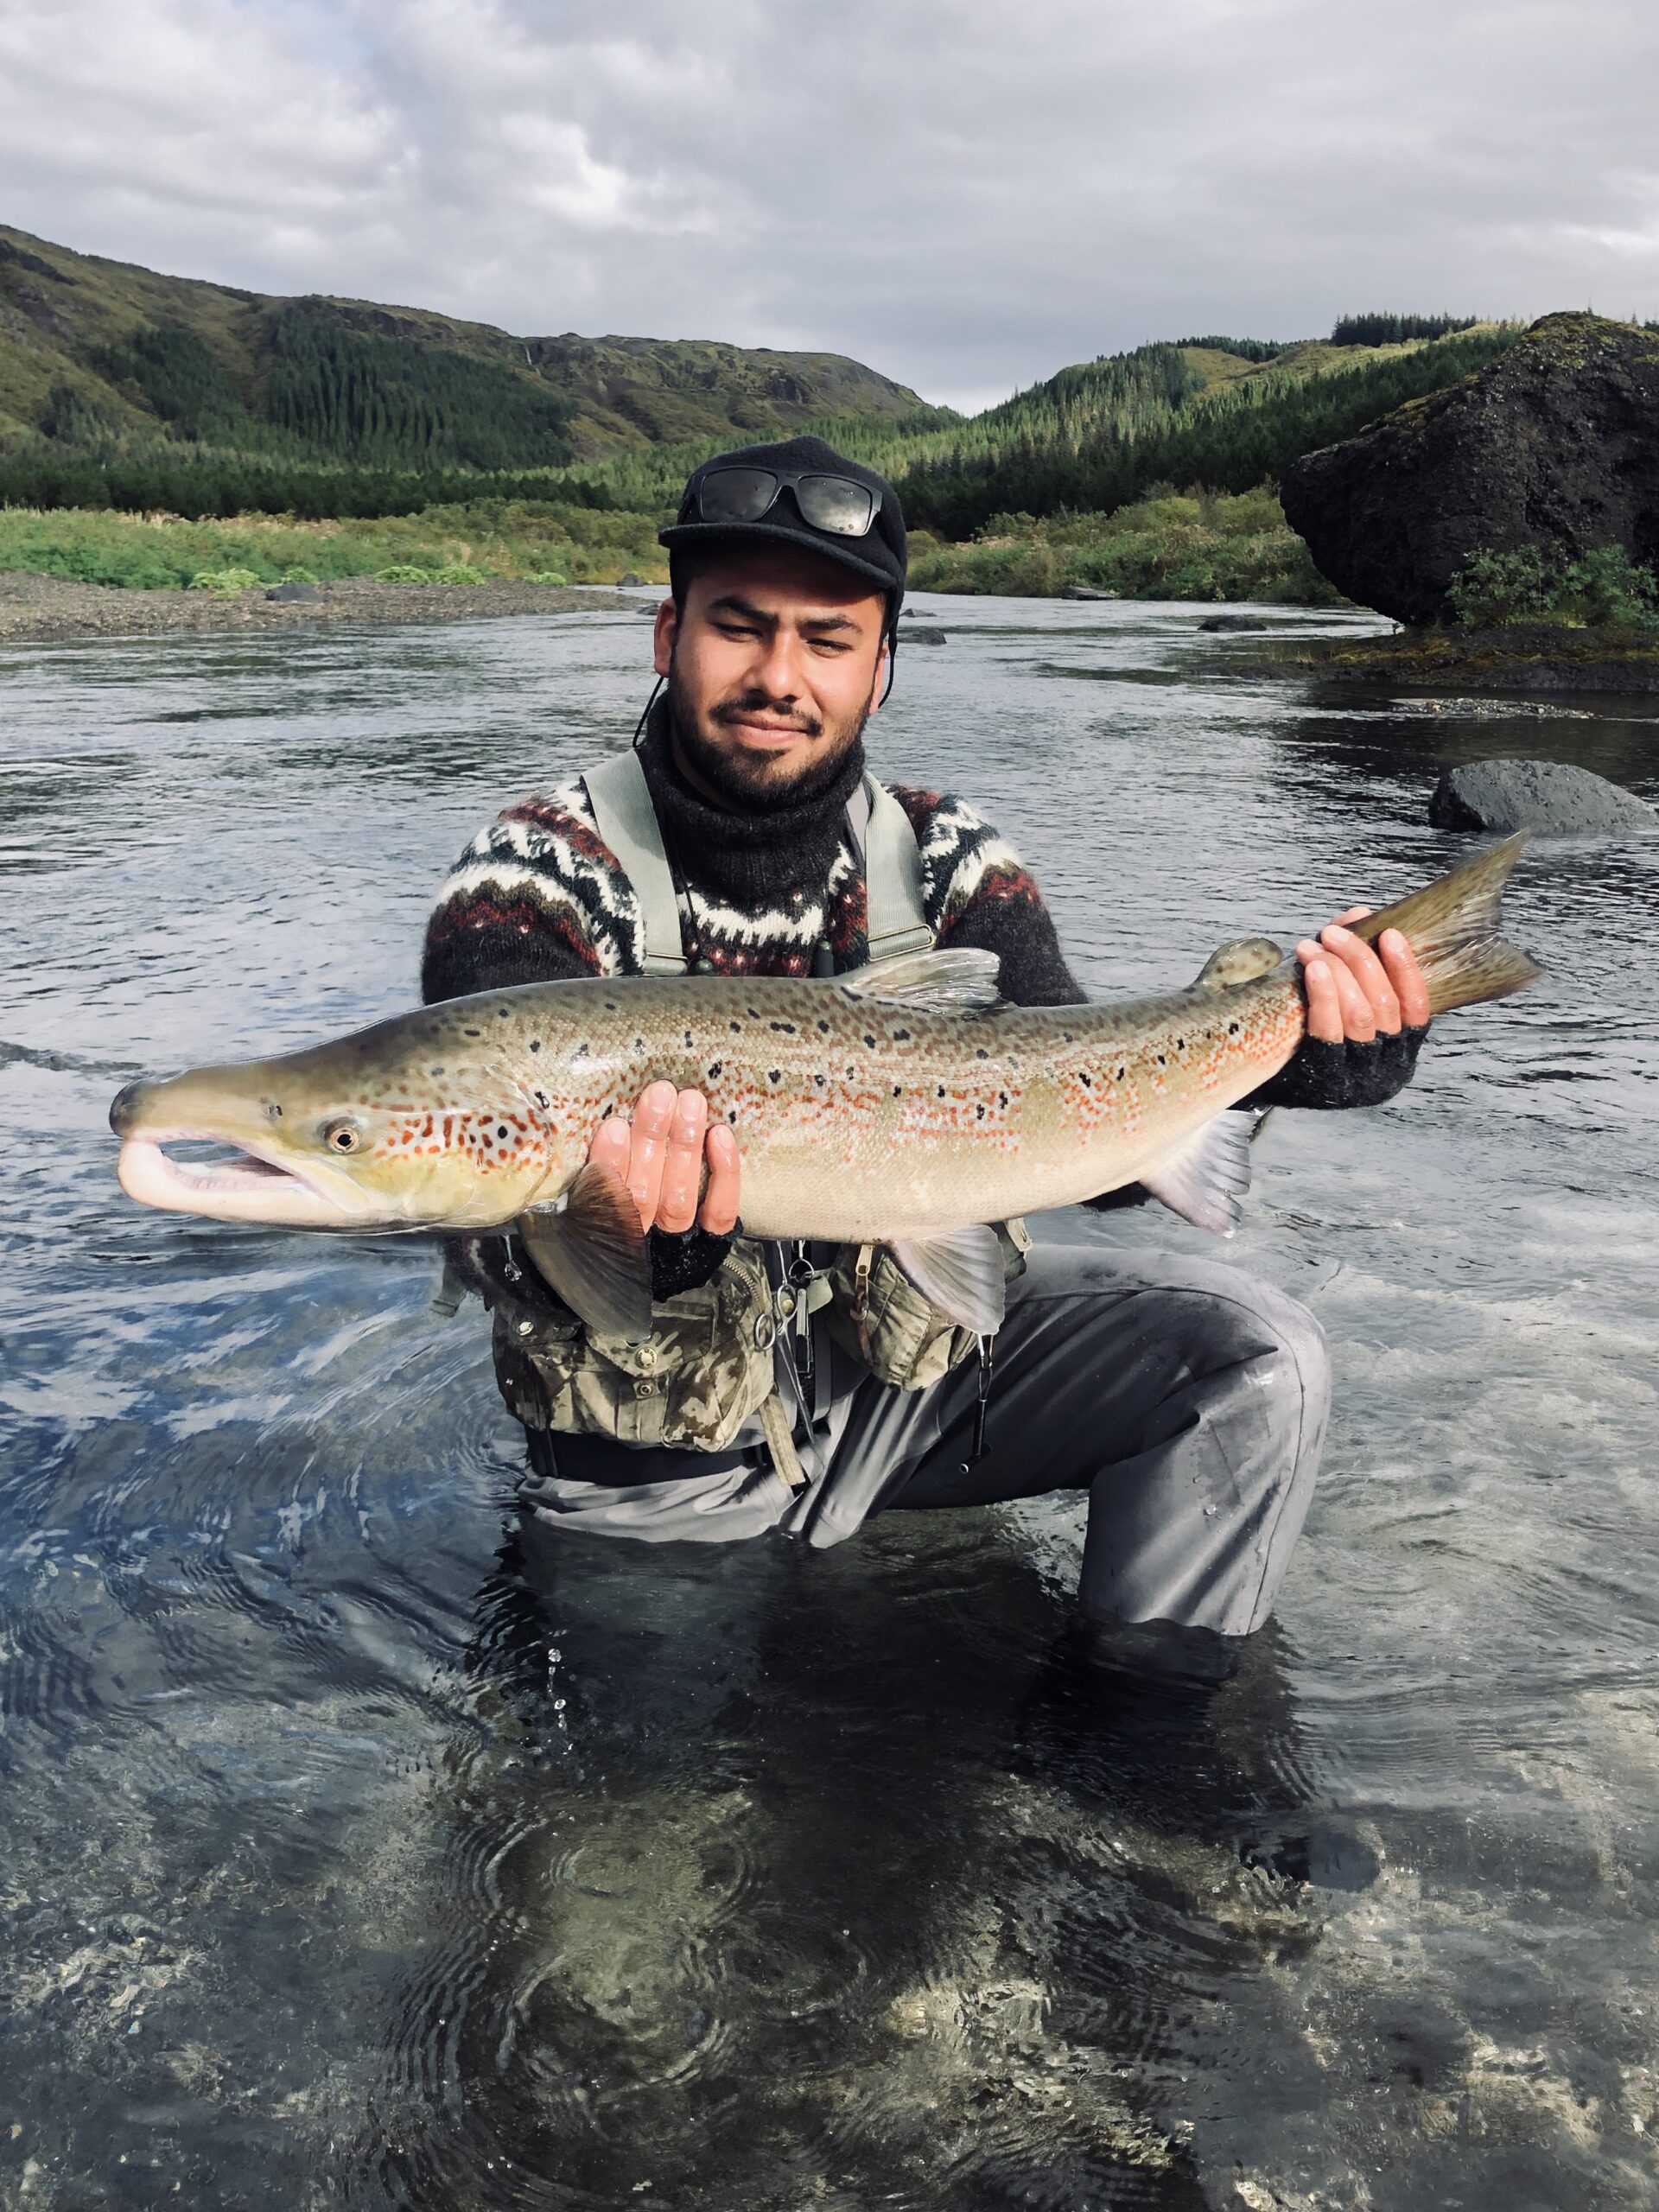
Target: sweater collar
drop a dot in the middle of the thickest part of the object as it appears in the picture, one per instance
(751, 860)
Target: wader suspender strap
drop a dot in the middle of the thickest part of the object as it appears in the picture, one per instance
(897, 921)
(620, 798)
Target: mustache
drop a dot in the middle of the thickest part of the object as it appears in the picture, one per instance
(757, 702)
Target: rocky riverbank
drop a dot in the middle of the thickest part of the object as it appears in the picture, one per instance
(1520, 656)
(51, 610)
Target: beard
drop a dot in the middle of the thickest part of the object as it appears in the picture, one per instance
(756, 783)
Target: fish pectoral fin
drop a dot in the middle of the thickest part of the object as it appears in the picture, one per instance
(961, 980)
(962, 1273)
(593, 1254)
(1204, 1178)
(1240, 960)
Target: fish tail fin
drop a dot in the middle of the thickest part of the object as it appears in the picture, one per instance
(1454, 926)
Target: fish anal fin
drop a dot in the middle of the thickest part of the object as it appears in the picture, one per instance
(961, 1273)
(593, 1254)
(1205, 1178)
(962, 979)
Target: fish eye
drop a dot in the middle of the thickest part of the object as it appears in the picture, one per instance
(342, 1135)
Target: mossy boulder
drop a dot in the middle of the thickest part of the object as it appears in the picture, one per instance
(1549, 795)
(1556, 446)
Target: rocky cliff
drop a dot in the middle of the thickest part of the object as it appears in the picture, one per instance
(1556, 445)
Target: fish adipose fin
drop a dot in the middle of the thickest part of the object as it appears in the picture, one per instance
(962, 1273)
(1204, 1178)
(593, 1254)
(961, 980)
(1240, 960)
(1453, 925)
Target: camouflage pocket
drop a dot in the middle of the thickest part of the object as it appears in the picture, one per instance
(702, 1373)
(878, 1315)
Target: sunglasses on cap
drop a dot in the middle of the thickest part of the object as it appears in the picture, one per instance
(836, 505)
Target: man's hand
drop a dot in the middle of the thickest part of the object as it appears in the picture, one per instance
(1356, 995)
(659, 1154)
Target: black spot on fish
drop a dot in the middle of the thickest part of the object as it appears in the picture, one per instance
(940, 1090)
(542, 1098)
(471, 1032)
(901, 1036)
(1232, 1029)
(731, 1113)
(1066, 1036)
(689, 1040)
(714, 1067)
(611, 1007)
(870, 1042)
(639, 1044)
(535, 1044)
(1180, 1044)
(774, 1075)
(824, 1029)
(820, 1080)
(435, 1071)
(979, 1112)
(1161, 1060)
(1119, 1076)
(1002, 1100)
(1086, 1080)
(897, 1091)
(501, 1131)
(503, 1011)
(980, 1052)
(787, 1028)
(736, 1028)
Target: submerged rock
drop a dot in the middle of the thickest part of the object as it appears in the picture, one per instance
(1555, 445)
(1233, 622)
(1546, 795)
(920, 635)
(1085, 591)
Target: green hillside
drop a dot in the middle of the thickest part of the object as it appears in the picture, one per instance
(117, 384)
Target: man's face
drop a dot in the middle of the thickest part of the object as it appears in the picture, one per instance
(773, 668)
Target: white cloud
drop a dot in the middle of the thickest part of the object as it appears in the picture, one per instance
(966, 195)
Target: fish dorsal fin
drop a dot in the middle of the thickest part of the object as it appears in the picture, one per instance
(960, 980)
(961, 1272)
(1204, 1178)
(1240, 960)
(593, 1254)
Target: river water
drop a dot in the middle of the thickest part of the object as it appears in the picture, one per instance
(340, 1866)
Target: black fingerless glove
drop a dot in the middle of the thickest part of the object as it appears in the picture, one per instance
(1350, 1074)
(684, 1259)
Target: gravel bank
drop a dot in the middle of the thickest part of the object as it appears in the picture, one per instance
(36, 610)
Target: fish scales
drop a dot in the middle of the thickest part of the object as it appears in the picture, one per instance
(892, 1105)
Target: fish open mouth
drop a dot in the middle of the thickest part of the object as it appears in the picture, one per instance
(206, 1175)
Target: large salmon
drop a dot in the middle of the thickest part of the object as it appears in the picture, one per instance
(906, 1104)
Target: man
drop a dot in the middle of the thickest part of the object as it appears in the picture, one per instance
(1187, 1399)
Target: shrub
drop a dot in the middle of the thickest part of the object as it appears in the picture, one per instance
(225, 579)
(547, 576)
(299, 575)
(459, 572)
(403, 572)
(1606, 587)
(1603, 587)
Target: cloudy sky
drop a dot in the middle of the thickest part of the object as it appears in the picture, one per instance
(966, 195)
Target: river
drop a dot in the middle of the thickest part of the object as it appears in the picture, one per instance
(338, 1867)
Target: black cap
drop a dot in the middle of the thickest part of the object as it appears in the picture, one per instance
(878, 556)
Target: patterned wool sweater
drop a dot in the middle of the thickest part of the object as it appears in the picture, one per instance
(538, 895)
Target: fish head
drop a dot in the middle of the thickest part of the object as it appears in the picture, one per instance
(417, 1123)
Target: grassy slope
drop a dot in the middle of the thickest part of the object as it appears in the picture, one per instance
(58, 308)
